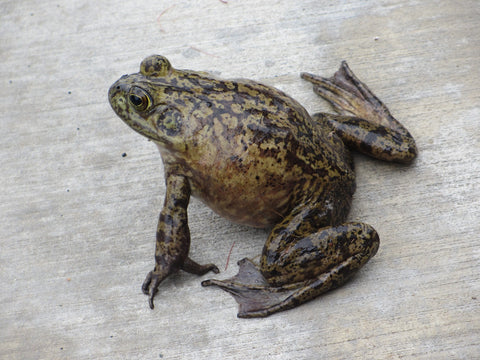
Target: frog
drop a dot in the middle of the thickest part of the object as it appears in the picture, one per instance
(255, 156)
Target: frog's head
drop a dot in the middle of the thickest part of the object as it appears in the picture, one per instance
(145, 101)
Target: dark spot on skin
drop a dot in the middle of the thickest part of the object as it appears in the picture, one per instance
(170, 122)
(124, 154)
(180, 202)
(169, 220)
(160, 234)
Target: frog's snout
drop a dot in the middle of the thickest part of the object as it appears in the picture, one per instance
(118, 88)
(116, 97)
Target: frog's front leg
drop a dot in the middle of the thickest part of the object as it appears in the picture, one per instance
(296, 267)
(173, 238)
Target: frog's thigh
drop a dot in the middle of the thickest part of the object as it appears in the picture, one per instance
(322, 260)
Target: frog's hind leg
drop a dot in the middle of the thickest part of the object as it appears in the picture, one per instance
(302, 270)
(371, 139)
(365, 124)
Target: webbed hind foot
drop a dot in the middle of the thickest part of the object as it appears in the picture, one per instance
(365, 124)
(251, 291)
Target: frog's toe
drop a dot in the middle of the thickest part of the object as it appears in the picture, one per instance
(150, 286)
(146, 283)
(251, 291)
(192, 267)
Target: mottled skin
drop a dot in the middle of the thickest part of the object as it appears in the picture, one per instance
(254, 155)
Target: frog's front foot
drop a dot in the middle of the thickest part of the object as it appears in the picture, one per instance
(155, 277)
(150, 285)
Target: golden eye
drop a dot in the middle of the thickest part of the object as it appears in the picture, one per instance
(139, 99)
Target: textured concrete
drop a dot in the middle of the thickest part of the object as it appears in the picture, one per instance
(78, 218)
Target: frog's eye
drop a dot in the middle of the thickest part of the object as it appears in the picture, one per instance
(156, 66)
(139, 99)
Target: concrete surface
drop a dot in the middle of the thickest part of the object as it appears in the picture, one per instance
(78, 218)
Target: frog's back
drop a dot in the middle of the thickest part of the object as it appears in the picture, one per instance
(257, 153)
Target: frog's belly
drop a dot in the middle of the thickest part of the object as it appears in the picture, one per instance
(246, 209)
(248, 202)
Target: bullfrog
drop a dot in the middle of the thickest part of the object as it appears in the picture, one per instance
(255, 156)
